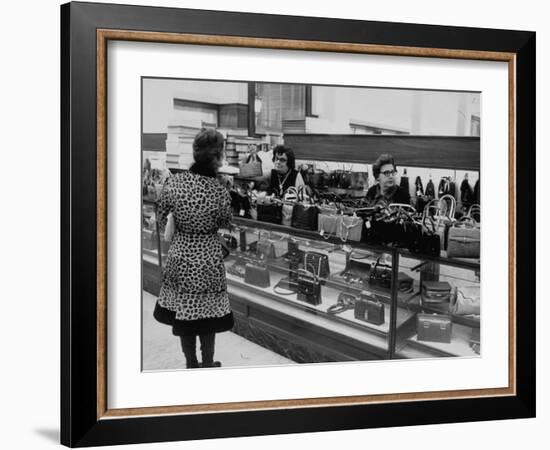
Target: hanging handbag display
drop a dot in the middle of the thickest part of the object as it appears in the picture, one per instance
(257, 275)
(309, 287)
(435, 292)
(464, 239)
(434, 328)
(369, 309)
(304, 215)
(251, 167)
(466, 301)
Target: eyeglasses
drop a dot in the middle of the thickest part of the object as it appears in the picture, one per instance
(389, 173)
(281, 160)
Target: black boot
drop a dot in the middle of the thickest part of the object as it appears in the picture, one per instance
(207, 350)
(188, 345)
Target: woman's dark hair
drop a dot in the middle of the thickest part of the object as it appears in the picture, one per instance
(382, 160)
(207, 152)
(284, 150)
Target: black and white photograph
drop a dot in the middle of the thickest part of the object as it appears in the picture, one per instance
(287, 224)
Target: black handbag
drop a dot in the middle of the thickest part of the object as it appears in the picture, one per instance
(357, 271)
(304, 216)
(240, 204)
(369, 309)
(272, 212)
(317, 263)
(380, 275)
(257, 275)
(309, 287)
(242, 241)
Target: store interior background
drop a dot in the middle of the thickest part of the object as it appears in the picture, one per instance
(168, 106)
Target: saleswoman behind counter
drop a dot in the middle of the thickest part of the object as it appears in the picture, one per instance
(386, 190)
(284, 175)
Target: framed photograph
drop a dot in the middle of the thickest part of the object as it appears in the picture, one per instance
(278, 224)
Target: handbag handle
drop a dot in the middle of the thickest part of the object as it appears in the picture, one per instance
(474, 209)
(452, 210)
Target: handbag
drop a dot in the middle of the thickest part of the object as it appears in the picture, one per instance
(351, 228)
(466, 301)
(251, 167)
(380, 275)
(257, 275)
(435, 292)
(270, 212)
(265, 249)
(170, 228)
(369, 309)
(304, 216)
(464, 239)
(317, 263)
(434, 327)
(240, 203)
(309, 287)
(329, 224)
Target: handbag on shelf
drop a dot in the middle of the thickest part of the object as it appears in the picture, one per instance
(351, 228)
(369, 309)
(304, 215)
(434, 327)
(238, 268)
(435, 292)
(251, 167)
(317, 263)
(309, 287)
(257, 275)
(380, 276)
(271, 212)
(329, 224)
(265, 249)
(405, 283)
(464, 239)
(466, 301)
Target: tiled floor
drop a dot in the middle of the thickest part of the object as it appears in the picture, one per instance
(162, 351)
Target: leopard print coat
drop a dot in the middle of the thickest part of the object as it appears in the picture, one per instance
(193, 295)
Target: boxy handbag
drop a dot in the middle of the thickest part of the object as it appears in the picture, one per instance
(351, 228)
(252, 167)
(271, 212)
(464, 239)
(257, 275)
(369, 309)
(309, 287)
(435, 292)
(434, 327)
(304, 215)
(380, 275)
(318, 263)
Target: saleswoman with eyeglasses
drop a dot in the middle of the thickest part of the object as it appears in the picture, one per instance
(386, 190)
(284, 175)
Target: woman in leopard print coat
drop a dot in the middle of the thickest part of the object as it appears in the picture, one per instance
(193, 296)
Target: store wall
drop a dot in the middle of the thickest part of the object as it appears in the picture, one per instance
(159, 94)
(416, 112)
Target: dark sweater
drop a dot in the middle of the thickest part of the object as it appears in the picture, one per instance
(396, 195)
